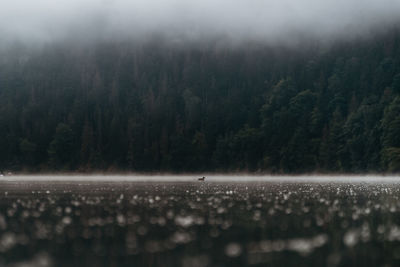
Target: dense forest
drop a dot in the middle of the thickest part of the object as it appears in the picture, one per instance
(158, 107)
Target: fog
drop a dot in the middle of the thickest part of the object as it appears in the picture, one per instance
(43, 21)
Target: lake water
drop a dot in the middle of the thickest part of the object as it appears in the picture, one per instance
(179, 221)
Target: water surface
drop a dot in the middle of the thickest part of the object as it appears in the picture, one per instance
(178, 221)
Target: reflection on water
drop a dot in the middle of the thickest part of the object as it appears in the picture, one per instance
(195, 223)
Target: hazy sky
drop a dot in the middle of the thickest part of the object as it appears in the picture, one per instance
(264, 20)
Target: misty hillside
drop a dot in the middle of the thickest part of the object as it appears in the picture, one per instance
(122, 106)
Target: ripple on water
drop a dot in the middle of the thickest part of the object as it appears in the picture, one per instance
(200, 224)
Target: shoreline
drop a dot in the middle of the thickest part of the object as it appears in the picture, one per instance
(209, 178)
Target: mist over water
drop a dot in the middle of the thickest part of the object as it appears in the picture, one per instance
(226, 178)
(267, 21)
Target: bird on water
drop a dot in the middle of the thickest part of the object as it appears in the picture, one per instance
(202, 178)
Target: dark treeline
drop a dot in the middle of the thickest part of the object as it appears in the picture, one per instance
(155, 107)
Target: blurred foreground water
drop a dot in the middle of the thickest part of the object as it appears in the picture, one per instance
(194, 224)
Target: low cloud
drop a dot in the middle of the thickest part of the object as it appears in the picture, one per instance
(260, 20)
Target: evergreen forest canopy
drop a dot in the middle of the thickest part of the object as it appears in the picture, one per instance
(155, 107)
